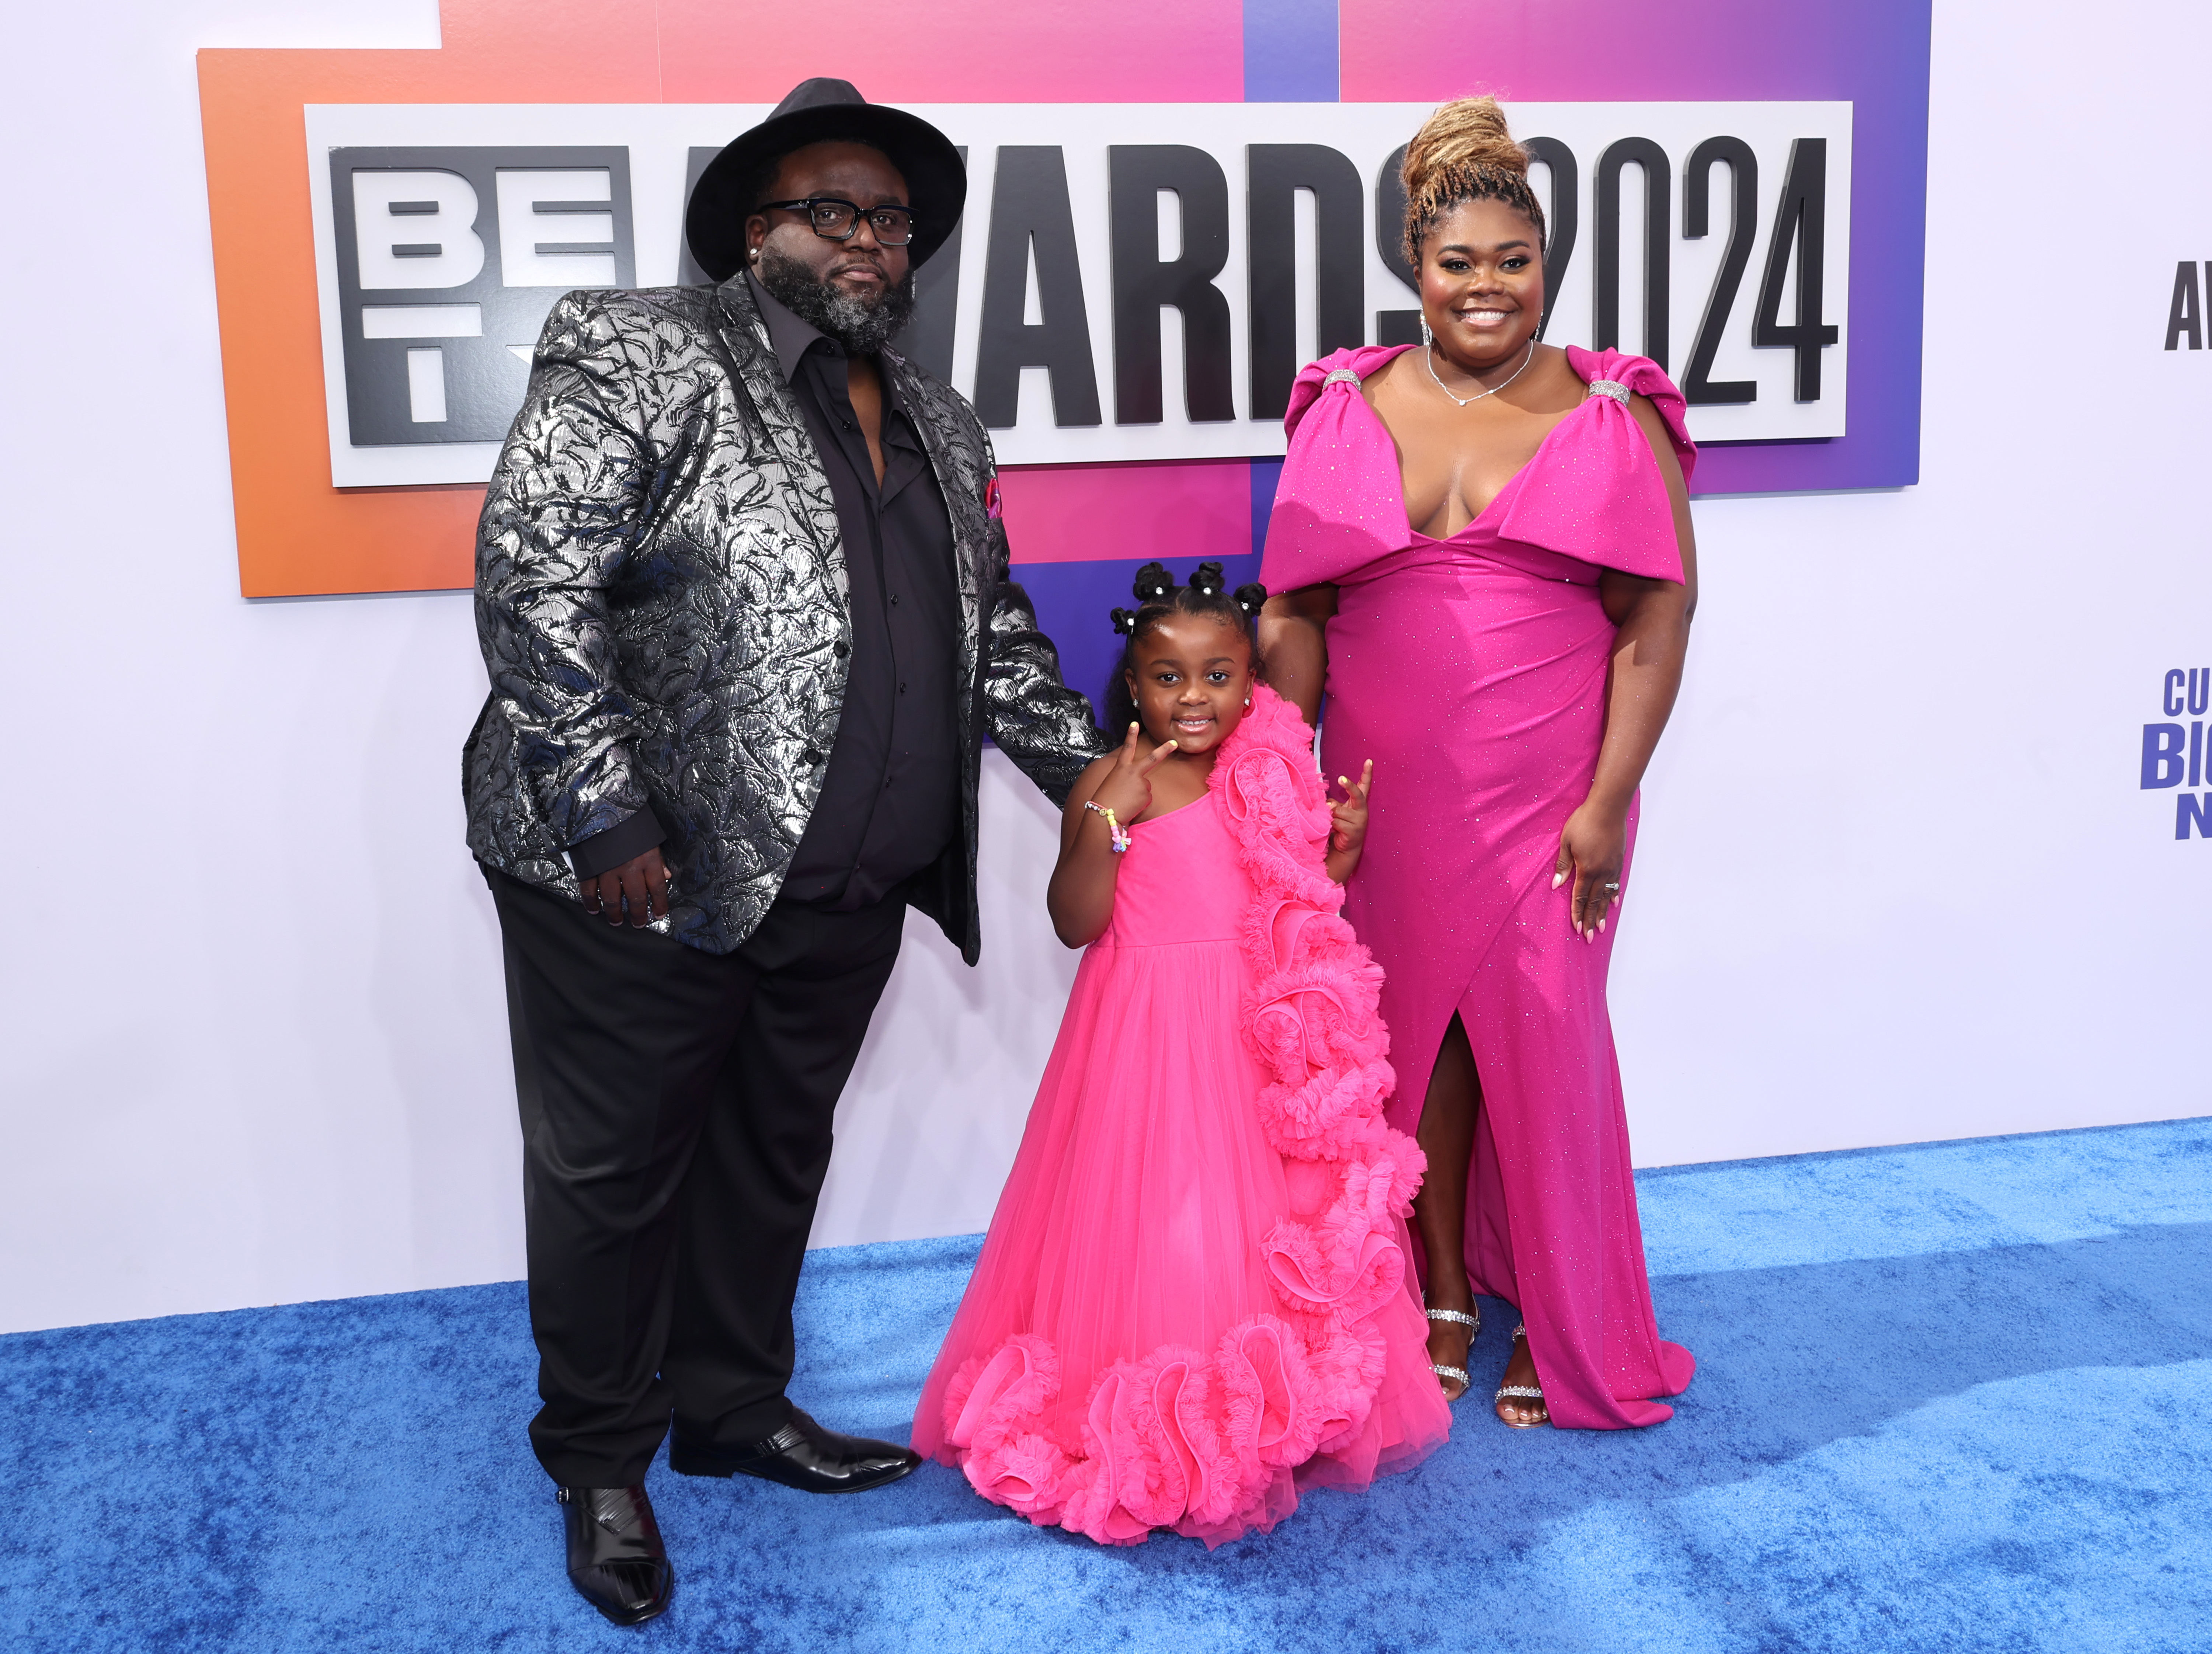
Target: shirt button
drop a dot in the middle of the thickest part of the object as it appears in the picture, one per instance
(894, 599)
(901, 689)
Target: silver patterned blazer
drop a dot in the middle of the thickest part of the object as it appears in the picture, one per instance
(661, 601)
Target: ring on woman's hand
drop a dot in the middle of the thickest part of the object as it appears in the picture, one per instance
(1614, 885)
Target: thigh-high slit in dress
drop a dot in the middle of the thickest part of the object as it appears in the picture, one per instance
(1472, 671)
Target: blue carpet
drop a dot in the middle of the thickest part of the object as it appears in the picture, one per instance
(1956, 1396)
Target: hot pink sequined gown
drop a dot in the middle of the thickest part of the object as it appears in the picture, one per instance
(1194, 1299)
(1472, 672)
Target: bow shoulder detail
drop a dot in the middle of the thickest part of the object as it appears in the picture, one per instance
(1595, 490)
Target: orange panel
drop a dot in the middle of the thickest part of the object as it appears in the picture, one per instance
(296, 534)
(299, 536)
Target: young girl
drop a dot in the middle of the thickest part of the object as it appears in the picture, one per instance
(1193, 1298)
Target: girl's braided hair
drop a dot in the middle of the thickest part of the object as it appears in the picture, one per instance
(1159, 599)
(1464, 153)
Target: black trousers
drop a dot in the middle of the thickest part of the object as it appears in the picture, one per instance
(676, 1128)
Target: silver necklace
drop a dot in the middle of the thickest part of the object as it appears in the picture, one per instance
(1429, 356)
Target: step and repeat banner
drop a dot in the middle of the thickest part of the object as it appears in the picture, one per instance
(1938, 785)
(1172, 205)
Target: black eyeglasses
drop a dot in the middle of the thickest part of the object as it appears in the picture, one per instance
(836, 221)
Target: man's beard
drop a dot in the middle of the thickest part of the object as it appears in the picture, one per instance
(863, 327)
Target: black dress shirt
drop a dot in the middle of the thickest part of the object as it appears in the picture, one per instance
(891, 799)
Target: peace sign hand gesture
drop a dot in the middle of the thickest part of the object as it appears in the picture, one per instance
(1127, 788)
(1080, 897)
(1347, 823)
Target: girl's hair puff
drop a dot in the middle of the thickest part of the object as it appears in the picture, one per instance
(1464, 152)
(1159, 599)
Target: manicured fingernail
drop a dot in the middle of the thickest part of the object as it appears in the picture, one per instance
(1558, 879)
(1600, 924)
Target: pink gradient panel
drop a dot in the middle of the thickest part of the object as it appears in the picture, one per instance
(958, 51)
(1188, 511)
(1572, 50)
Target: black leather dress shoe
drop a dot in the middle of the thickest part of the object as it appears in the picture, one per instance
(615, 1559)
(801, 1454)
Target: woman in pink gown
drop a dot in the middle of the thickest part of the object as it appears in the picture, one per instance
(1194, 1300)
(1486, 540)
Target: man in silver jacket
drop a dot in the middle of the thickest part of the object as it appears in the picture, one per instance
(742, 589)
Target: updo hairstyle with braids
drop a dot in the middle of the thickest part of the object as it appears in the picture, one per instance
(1464, 153)
(1159, 599)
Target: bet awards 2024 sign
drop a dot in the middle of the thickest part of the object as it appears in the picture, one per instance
(1130, 282)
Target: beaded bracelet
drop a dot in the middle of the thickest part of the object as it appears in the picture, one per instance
(1112, 827)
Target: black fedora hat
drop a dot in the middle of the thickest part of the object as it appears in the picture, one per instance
(820, 110)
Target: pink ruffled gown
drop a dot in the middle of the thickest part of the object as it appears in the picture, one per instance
(1472, 672)
(1193, 1298)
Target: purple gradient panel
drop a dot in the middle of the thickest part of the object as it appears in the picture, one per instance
(1290, 57)
(1075, 602)
(1290, 50)
(1871, 53)
(1267, 476)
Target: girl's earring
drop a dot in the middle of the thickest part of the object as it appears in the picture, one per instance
(1427, 337)
(1247, 700)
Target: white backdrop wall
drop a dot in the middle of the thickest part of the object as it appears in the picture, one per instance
(1897, 881)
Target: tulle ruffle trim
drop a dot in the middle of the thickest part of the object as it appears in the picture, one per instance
(1205, 1441)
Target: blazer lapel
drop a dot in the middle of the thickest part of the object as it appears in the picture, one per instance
(959, 471)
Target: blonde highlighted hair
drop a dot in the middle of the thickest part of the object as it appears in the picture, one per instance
(1464, 152)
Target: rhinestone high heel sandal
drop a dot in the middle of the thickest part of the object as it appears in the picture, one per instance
(1473, 1325)
(1525, 1392)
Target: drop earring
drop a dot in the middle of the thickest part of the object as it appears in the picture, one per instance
(1428, 339)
